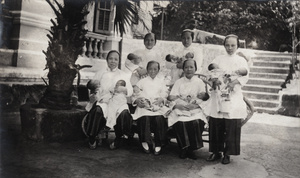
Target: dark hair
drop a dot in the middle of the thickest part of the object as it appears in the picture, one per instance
(210, 67)
(153, 62)
(113, 51)
(131, 56)
(148, 34)
(91, 84)
(188, 30)
(123, 83)
(234, 36)
(168, 58)
(195, 63)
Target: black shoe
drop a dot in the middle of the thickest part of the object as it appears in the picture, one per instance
(226, 159)
(183, 153)
(214, 157)
(92, 144)
(115, 144)
(191, 154)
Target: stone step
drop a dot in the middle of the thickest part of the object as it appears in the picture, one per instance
(284, 64)
(269, 70)
(264, 103)
(266, 110)
(267, 75)
(272, 53)
(262, 81)
(261, 95)
(262, 88)
(273, 59)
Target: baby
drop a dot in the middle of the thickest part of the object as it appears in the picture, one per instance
(176, 71)
(220, 80)
(94, 88)
(189, 55)
(137, 93)
(185, 100)
(171, 58)
(117, 103)
(138, 73)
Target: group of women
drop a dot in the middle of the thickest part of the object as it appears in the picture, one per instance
(167, 110)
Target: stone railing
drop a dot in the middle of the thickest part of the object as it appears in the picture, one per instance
(94, 45)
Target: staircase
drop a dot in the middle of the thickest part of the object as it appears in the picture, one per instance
(267, 74)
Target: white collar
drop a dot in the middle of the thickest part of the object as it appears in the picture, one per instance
(109, 70)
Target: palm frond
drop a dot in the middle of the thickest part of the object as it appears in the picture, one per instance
(125, 13)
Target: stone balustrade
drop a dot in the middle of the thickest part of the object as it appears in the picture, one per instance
(93, 47)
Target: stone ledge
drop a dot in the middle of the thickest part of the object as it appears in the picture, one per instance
(40, 124)
(33, 76)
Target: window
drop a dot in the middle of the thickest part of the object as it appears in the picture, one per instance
(103, 16)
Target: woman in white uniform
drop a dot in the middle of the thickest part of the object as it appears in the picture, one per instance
(97, 121)
(225, 127)
(188, 129)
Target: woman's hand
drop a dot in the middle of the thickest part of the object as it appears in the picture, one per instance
(192, 106)
(181, 107)
(230, 85)
(140, 102)
(158, 101)
(142, 72)
(172, 97)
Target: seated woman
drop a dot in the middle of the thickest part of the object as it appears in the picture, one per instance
(97, 116)
(150, 109)
(188, 125)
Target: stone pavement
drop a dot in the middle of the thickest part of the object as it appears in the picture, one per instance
(270, 148)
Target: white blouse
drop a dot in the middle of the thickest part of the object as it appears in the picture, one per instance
(151, 89)
(108, 80)
(185, 87)
(237, 106)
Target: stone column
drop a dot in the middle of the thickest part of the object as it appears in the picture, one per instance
(30, 25)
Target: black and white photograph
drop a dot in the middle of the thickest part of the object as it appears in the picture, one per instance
(149, 89)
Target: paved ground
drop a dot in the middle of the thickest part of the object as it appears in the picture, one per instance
(270, 149)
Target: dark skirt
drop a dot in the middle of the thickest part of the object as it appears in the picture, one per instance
(189, 134)
(152, 124)
(225, 135)
(124, 124)
(95, 121)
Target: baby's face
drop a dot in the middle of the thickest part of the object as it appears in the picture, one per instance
(119, 83)
(241, 71)
(173, 58)
(136, 60)
(189, 55)
(179, 64)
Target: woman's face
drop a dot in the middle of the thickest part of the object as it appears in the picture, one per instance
(153, 70)
(113, 60)
(149, 41)
(189, 69)
(231, 45)
(187, 39)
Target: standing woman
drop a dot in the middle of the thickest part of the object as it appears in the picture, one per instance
(187, 37)
(225, 127)
(149, 53)
(108, 80)
(188, 129)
